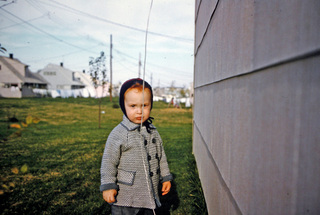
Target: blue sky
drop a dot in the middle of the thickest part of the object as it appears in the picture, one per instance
(39, 32)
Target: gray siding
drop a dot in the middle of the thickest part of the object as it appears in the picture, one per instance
(256, 107)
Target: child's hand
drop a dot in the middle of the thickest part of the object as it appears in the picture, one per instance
(109, 195)
(166, 186)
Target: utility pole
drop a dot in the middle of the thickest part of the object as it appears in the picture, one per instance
(139, 65)
(110, 68)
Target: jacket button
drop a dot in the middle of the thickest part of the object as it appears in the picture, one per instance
(149, 157)
(145, 142)
(157, 156)
(154, 140)
(151, 174)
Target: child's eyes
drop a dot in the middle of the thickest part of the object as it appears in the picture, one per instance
(146, 105)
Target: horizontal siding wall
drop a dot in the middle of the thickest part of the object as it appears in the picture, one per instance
(256, 109)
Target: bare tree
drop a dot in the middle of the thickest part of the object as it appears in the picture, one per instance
(98, 73)
(2, 49)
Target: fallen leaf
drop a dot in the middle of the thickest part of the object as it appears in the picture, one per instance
(5, 187)
(15, 170)
(15, 126)
(36, 120)
(24, 168)
(29, 119)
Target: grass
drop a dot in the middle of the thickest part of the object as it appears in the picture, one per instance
(53, 167)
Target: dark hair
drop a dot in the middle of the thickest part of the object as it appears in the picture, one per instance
(132, 83)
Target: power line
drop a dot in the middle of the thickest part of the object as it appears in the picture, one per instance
(42, 9)
(152, 64)
(114, 23)
(7, 4)
(62, 55)
(44, 32)
(21, 23)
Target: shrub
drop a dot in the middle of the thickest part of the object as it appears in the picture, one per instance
(115, 106)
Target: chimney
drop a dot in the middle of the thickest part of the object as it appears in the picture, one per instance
(61, 64)
(11, 56)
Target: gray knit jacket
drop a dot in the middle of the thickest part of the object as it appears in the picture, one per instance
(134, 163)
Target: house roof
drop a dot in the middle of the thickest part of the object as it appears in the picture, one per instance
(21, 71)
(12, 65)
(84, 78)
(32, 77)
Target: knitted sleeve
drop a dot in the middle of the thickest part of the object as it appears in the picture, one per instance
(110, 161)
(164, 167)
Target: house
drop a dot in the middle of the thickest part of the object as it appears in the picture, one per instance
(16, 79)
(65, 83)
(60, 78)
(62, 82)
(170, 94)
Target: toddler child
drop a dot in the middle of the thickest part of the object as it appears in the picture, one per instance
(134, 162)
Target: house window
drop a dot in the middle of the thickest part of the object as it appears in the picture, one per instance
(9, 85)
(49, 73)
(63, 87)
(76, 87)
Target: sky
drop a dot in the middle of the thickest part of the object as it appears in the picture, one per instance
(39, 32)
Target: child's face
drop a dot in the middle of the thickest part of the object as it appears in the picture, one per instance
(133, 103)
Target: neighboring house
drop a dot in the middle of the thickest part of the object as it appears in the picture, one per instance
(84, 78)
(60, 78)
(16, 80)
(62, 82)
(168, 94)
(66, 83)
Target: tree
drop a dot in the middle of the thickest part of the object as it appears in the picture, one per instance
(2, 49)
(182, 92)
(98, 73)
(172, 87)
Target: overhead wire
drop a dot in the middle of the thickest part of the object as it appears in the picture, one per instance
(21, 23)
(47, 13)
(143, 86)
(154, 68)
(58, 56)
(167, 70)
(54, 18)
(65, 7)
(46, 33)
(145, 57)
(7, 4)
(72, 10)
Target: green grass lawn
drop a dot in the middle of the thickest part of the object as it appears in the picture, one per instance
(53, 166)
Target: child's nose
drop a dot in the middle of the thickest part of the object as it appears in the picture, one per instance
(139, 109)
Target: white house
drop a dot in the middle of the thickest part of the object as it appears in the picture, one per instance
(16, 80)
(66, 83)
(60, 78)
